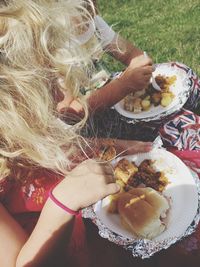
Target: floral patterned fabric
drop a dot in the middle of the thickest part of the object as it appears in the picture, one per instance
(25, 199)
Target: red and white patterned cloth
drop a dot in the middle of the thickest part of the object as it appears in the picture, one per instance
(182, 132)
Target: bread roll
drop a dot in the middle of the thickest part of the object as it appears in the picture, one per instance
(141, 209)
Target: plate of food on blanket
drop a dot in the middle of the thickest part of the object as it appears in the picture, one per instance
(151, 104)
(157, 204)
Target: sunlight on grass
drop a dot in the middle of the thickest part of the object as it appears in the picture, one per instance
(169, 30)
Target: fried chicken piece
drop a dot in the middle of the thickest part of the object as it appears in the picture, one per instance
(146, 166)
(148, 176)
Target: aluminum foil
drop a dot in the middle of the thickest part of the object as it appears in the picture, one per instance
(143, 248)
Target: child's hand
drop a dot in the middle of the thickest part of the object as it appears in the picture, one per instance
(137, 74)
(86, 184)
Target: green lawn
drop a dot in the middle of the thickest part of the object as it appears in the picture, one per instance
(169, 30)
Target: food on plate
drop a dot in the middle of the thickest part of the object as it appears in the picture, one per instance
(141, 211)
(143, 100)
(148, 176)
(128, 175)
(166, 99)
(112, 207)
(124, 170)
(165, 82)
(144, 174)
(132, 103)
(146, 103)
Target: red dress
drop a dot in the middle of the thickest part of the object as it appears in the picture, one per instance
(24, 199)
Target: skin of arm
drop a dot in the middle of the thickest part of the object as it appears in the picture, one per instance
(123, 147)
(123, 50)
(120, 48)
(86, 184)
(135, 77)
(39, 248)
(12, 238)
(53, 229)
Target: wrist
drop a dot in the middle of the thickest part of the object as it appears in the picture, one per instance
(67, 198)
(122, 81)
(61, 205)
(58, 215)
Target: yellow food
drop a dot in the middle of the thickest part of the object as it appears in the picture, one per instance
(124, 170)
(143, 100)
(166, 99)
(129, 176)
(145, 104)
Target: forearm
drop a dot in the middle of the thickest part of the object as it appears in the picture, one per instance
(51, 232)
(109, 148)
(123, 50)
(107, 95)
(12, 236)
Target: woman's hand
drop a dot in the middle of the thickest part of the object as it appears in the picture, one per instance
(137, 75)
(129, 147)
(86, 184)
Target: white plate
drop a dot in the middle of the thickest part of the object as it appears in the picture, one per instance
(180, 89)
(182, 192)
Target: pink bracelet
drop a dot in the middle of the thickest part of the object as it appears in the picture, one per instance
(58, 203)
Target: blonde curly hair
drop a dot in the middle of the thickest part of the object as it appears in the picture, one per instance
(38, 48)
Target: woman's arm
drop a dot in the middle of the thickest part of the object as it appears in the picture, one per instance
(86, 184)
(41, 247)
(46, 242)
(123, 147)
(135, 77)
(119, 47)
(12, 238)
(123, 50)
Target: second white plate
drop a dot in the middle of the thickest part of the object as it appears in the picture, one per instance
(180, 89)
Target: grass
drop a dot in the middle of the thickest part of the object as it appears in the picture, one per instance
(169, 30)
